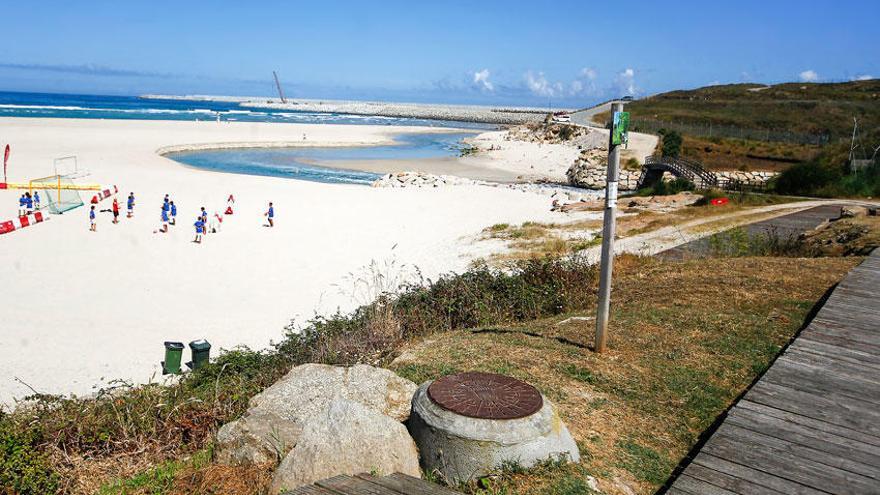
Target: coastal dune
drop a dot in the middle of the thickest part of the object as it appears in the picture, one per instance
(80, 308)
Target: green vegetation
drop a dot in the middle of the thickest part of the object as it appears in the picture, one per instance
(671, 145)
(24, 469)
(644, 462)
(667, 188)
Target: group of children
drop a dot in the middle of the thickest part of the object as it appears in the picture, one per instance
(27, 203)
(169, 215)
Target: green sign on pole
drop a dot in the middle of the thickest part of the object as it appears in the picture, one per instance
(620, 129)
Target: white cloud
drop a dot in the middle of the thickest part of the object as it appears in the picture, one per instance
(589, 73)
(539, 85)
(625, 83)
(863, 77)
(481, 80)
(809, 76)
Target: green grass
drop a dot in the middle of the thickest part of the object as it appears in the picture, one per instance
(645, 463)
(157, 480)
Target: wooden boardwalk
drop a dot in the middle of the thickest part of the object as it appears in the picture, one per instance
(811, 424)
(365, 484)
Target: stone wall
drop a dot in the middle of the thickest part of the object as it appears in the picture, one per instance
(589, 171)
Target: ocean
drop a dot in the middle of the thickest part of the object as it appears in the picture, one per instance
(13, 104)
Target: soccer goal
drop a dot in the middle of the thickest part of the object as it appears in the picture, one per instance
(60, 193)
(68, 166)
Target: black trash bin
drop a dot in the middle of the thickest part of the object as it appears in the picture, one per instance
(201, 353)
(173, 355)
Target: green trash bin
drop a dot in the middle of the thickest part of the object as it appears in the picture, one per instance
(173, 355)
(201, 353)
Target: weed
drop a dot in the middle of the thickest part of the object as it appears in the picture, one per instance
(644, 462)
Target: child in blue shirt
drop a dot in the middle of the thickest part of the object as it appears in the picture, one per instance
(28, 203)
(271, 215)
(173, 213)
(22, 210)
(130, 204)
(200, 228)
(164, 228)
(93, 226)
(37, 199)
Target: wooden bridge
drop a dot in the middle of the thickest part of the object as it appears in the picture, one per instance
(811, 423)
(655, 166)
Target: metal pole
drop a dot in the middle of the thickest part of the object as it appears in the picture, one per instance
(608, 228)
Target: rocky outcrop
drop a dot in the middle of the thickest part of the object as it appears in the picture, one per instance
(347, 438)
(464, 448)
(277, 416)
(590, 171)
(749, 178)
(417, 179)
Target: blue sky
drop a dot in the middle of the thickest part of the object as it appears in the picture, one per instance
(529, 53)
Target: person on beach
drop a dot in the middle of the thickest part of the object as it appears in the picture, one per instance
(115, 211)
(173, 213)
(271, 215)
(22, 211)
(93, 226)
(203, 215)
(229, 203)
(37, 200)
(28, 203)
(130, 204)
(166, 205)
(200, 227)
(164, 228)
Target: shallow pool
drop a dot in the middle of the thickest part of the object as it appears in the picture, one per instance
(300, 163)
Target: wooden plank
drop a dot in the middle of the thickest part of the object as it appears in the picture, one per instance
(853, 356)
(695, 485)
(816, 380)
(761, 478)
(733, 484)
(807, 422)
(841, 447)
(813, 406)
(309, 490)
(350, 485)
(412, 486)
(737, 447)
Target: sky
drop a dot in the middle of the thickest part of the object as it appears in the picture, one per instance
(560, 53)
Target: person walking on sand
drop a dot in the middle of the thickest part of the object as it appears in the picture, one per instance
(93, 226)
(164, 228)
(271, 215)
(203, 215)
(22, 211)
(115, 211)
(173, 213)
(200, 228)
(130, 205)
(37, 200)
(28, 203)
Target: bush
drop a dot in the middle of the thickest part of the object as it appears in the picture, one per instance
(24, 470)
(666, 188)
(671, 144)
(805, 179)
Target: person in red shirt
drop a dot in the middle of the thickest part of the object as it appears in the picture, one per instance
(115, 211)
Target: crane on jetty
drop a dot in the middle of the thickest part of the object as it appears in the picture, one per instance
(278, 85)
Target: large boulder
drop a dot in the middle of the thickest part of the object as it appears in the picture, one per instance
(272, 424)
(347, 438)
(256, 438)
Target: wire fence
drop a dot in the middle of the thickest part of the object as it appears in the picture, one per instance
(734, 132)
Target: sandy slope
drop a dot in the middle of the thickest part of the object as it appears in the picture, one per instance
(79, 308)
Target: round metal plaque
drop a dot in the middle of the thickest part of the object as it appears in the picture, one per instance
(485, 396)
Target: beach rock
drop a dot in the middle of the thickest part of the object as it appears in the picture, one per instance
(307, 390)
(347, 438)
(272, 424)
(464, 448)
(256, 438)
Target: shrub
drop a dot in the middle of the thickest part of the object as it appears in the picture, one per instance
(805, 179)
(671, 144)
(24, 470)
(666, 188)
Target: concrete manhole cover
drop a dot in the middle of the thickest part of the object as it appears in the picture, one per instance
(485, 396)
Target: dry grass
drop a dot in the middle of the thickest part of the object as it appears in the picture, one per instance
(686, 339)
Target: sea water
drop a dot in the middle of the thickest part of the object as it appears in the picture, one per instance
(50, 105)
(300, 163)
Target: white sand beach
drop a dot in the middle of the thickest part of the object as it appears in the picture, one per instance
(79, 309)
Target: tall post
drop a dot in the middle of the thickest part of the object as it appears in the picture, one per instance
(608, 228)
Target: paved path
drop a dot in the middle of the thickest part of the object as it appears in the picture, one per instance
(811, 424)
